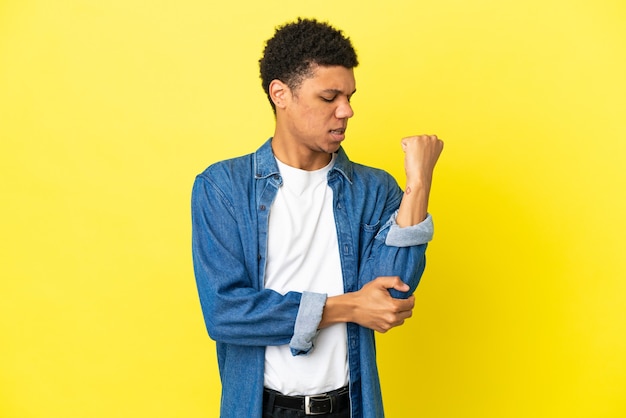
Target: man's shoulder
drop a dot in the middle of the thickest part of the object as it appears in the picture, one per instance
(369, 173)
(229, 179)
(240, 166)
(356, 171)
(228, 166)
(368, 169)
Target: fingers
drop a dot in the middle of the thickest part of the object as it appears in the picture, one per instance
(428, 146)
(420, 139)
(405, 305)
(378, 310)
(392, 282)
(394, 319)
(421, 153)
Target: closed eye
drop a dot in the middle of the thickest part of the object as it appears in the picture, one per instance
(331, 95)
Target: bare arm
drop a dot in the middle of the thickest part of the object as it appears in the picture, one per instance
(421, 153)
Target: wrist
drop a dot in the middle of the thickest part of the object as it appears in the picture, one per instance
(418, 181)
(414, 205)
(338, 309)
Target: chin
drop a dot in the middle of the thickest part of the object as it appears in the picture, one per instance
(333, 148)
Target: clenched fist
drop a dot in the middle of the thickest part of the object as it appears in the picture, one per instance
(421, 153)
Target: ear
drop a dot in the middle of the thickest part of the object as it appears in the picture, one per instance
(278, 92)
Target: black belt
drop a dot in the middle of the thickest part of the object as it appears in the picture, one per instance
(324, 403)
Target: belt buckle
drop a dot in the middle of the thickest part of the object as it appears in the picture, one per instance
(322, 397)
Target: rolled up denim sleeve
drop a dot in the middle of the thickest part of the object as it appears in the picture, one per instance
(409, 236)
(307, 322)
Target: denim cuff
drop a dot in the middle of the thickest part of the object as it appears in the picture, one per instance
(411, 235)
(307, 322)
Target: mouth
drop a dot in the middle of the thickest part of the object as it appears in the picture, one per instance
(338, 134)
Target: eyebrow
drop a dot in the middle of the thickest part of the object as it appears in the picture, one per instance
(337, 91)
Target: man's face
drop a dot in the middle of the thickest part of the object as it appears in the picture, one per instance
(317, 112)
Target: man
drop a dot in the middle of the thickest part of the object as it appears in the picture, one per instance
(301, 254)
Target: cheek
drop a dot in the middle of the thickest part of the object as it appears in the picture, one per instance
(312, 117)
(321, 114)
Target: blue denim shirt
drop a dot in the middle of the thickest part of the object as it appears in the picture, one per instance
(231, 202)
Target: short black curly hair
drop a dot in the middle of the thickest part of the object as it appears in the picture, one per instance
(296, 47)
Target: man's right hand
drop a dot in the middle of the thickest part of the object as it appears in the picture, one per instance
(372, 306)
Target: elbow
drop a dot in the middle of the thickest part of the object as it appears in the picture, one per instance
(216, 323)
(412, 277)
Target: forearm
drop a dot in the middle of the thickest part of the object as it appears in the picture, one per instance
(247, 316)
(414, 204)
(338, 309)
(421, 155)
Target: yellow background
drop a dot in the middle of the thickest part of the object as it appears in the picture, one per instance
(108, 109)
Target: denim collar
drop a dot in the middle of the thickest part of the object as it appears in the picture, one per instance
(265, 163)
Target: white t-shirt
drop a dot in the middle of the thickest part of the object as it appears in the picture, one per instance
(303, 255)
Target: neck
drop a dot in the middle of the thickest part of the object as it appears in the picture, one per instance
(298, 155)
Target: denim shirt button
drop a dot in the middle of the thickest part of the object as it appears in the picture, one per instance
(262, 207)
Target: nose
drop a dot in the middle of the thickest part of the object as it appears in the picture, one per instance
(344, 110)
